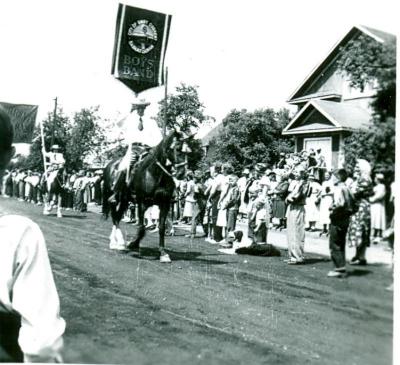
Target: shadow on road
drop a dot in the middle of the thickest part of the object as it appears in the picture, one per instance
(154, 253)
(315, 260)
(359, 272)
(74, 216)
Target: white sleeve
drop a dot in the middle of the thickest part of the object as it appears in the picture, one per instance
(35, 298)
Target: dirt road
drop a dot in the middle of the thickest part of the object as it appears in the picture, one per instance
(206, 307)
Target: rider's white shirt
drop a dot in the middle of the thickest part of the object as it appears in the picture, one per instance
(150, 135)
(27, 288)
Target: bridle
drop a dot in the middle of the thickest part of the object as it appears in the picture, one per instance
(174, 165)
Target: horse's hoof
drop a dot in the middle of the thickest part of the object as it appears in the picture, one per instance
(59, 215)
(118, 247)
(165, 259)
(133, 246)
(46, 212)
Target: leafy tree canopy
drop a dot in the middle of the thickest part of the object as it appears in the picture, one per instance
(366, 61)
(247, 138)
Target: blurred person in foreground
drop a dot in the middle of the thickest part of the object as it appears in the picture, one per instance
(31, 328)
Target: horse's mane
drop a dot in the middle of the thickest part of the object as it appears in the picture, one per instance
(158, 153)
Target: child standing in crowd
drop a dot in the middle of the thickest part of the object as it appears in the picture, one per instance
(326, 197)
(279, 205)
(257, 222)
(378, 211)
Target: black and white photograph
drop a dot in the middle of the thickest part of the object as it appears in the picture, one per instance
(198, 182)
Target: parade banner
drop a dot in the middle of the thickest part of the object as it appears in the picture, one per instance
(141, 39)
(23, 118)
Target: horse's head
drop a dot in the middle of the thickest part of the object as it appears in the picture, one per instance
(177, 149)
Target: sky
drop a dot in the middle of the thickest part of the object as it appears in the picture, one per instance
(241, 54)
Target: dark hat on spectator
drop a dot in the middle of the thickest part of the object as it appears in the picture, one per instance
(270, 172)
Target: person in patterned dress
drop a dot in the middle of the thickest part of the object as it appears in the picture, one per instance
(360, 222)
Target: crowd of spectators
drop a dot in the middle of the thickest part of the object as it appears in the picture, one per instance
(297, 195)
(81, 188)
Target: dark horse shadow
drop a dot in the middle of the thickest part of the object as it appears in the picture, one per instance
(146, 253)
(74, 216)
(358, 272)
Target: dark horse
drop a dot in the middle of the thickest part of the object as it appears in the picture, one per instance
(150, 183)
(54, 188)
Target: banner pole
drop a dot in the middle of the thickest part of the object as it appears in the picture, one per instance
(54, 121)
(165, 101)
(43, 146)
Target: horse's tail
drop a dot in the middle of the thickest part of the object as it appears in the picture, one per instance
(105, 210)
(106, 191)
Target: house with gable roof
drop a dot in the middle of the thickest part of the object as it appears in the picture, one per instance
(328, 107)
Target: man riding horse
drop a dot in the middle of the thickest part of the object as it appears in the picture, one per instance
(139, 142)
(54, 162)
(148, 176)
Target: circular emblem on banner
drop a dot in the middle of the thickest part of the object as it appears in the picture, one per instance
(142, 36)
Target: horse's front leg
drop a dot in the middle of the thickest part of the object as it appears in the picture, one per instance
(59, 206)
(46, 204)
(141, 230)
(164, 257)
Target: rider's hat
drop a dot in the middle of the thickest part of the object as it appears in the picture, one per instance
(55, 147)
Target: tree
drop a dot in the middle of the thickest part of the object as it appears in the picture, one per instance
(184, 110)
(370, 62)
(80, 139)
(248, 138)
(85, 136)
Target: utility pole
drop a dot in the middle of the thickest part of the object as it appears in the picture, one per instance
(164, 132)
(54, 121)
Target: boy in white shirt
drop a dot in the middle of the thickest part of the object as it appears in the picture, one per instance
(31, 328)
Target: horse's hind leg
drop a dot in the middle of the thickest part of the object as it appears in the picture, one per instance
(141, 230)
(164, 257)
(59, 206)
(117, 241)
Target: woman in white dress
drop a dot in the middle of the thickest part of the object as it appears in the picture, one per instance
(326, 198)
(189, 198)
(311, 207)
(378, 212)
